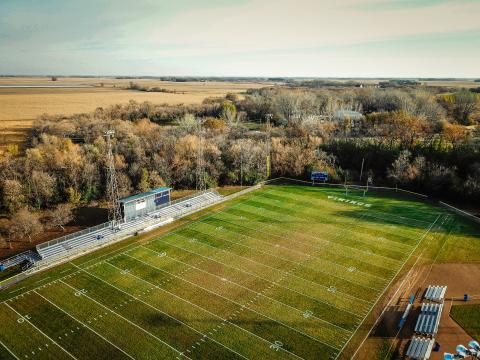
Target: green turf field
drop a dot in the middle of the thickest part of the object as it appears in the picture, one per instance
(468, 317)
(283, 272)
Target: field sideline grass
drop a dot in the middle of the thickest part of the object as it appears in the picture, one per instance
(468, 317)
(284, 272)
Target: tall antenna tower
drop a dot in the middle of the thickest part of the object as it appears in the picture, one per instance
(200, 183)
(114, 211)
(267, 145)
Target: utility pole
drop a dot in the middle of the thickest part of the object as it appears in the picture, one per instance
(241, 167)
(114, 211)
(346, 188)
(200, 172)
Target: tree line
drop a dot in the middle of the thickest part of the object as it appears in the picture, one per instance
(408, 137)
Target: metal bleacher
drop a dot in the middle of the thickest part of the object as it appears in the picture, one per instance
(429, 319)
(105, 233)
(435, 293)
(24, 258)
(420, 348)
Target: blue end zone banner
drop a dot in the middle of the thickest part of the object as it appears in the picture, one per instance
(319, 176)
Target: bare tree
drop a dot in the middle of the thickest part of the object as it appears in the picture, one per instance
(403, 170)
(61, 215)
(466, 103)
(25, 224)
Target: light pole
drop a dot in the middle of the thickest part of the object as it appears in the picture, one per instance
(361, 169)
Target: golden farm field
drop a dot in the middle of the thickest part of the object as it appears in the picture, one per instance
(20, 106)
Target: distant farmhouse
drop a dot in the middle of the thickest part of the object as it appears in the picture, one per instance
(350, 117)
(341, 115)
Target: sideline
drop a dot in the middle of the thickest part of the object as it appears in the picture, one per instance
(387, 287)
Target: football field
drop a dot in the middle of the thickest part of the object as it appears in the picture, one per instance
(285, 272)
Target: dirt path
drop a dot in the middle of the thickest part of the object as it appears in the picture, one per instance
(460, 279)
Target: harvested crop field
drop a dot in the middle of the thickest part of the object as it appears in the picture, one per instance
(283, 272)
(20, 106)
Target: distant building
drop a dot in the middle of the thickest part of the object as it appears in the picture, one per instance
(340, 115)
(144, 203)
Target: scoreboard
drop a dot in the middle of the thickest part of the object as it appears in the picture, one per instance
(319, 176)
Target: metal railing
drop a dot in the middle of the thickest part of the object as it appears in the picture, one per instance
(179, 213)
(17, 259)
(460, 212)
(127, 232)
(74, 235)
(453, 209)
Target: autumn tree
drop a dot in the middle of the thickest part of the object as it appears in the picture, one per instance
(454, 133)
(24, 224)
(229, 112)
(144, 182)
(12, 195)
(214, 124)
(188, 123)
(41, 188)
(291, 158)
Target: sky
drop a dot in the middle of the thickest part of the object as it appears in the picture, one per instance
(297, 38)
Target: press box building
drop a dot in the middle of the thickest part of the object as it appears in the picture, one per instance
(144, 203)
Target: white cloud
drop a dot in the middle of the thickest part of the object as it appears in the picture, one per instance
(287, 24)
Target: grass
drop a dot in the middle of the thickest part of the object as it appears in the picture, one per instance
(468, 317)
(283, 272)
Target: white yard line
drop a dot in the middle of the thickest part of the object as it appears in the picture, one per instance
(350, 249)
(303, 243)
(322, 202)
(244, 306)
(17, 290)
(85, 325)
(342, 227)
(130, 247)
(261, 277)
(390, 218)
(396, 243)
(127, 320)
(377, 211)
(439, 252)
(180, 298)
(415, 277)
(264, 279)
(236, 284)
(123, 249)
(10, 351)
(41, 332)
(386, 288)
(342, 231)
(162, 312)
(308, 256)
